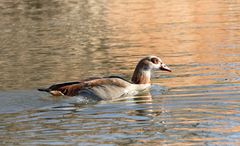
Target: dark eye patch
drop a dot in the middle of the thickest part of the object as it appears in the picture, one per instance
(155, 60)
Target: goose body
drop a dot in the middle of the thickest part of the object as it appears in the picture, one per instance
(105, 88)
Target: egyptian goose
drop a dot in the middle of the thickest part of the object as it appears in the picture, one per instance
(104, 88)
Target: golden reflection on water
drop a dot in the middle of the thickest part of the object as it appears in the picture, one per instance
(80, 39)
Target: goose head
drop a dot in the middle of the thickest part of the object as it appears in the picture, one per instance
(142, 72)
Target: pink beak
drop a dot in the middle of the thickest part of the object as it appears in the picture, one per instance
(164, 67)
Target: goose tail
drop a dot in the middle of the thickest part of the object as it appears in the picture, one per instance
(44, 89)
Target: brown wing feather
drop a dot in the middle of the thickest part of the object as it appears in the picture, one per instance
(59, 86)
(72, 90)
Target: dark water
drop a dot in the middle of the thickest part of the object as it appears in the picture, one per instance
(48, 41)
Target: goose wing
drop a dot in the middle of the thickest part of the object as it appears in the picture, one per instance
(98, 88)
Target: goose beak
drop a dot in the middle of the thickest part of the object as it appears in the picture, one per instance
(164, 67)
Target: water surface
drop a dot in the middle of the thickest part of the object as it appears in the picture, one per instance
(49, 41)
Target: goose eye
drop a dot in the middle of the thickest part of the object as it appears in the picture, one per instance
(155, 60)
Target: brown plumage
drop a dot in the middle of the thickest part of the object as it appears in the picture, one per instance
(113, 86)
(72, 90)
(140, 74)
